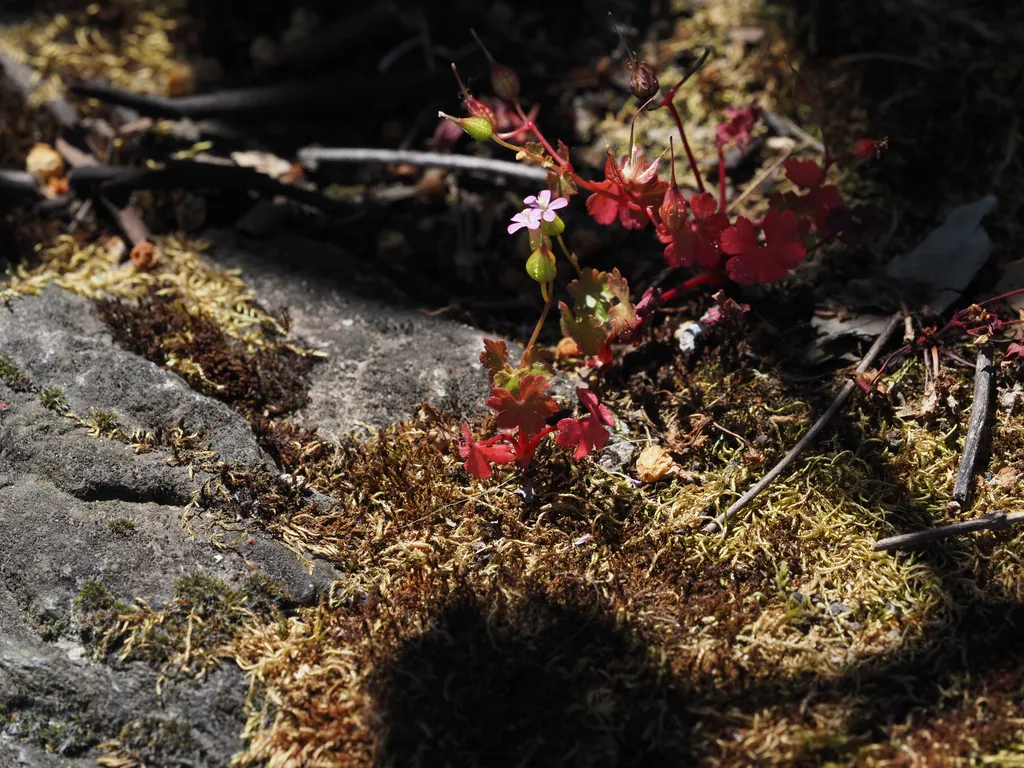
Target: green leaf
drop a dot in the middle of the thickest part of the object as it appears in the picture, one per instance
(586, 329)
(591, 295)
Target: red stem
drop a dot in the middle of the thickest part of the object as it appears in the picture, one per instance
(721, 175)
(712, 277)
(667, 102)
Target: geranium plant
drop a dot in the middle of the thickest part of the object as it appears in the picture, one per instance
(696, 233)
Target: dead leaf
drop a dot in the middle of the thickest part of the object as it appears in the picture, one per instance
(44, 162)
(1007, 478)
(654, 463)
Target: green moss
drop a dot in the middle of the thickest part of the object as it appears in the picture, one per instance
(189, 632)
(54, 399)
(102, 423)
(13, 376)
(164, 741)
(123, 526)
(56, 728)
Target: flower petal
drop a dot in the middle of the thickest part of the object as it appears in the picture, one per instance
(558, 202)
(544, 198)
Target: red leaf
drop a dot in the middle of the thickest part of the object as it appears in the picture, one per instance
(604, 206)
(754, 262)
(600, 412)
(479, 456)
(588, 433)
(528, 410)
(737, 129)
(1015, 349)
(804, 173)
(585, 435)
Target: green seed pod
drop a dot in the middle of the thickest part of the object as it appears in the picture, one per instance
(541, 265)
(480, 128)
(553, 228)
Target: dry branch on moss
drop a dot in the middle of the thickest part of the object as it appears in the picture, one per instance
(993, 521)
(311, 157)
(719, 522)
(976, 430)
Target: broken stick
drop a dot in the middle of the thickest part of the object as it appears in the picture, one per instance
(977, 427)
(993, 521)
(719, 522)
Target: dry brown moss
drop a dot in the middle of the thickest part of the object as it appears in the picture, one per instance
(268, 381)
(187, 636)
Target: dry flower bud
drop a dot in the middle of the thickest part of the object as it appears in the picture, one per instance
(567, 347)
(44, 162)
(504, 81)
(673, 208)
(642, 81)
(57, 186)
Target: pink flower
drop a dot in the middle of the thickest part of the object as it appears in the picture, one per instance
(539, 208)
(545, 204)
(529, 218)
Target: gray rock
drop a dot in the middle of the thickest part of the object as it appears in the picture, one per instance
(59, 340)
(61, 489)
(383, 358)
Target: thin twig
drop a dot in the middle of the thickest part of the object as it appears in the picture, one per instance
(993, 521)
(756, 183)
(127, 217)
(786, 127)
(26, 80)
(288, 100)
(191, 174)
(977, 427)
(310, 157)
(719, 522)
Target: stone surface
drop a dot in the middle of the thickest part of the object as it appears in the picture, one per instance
(60, 488)
(384, 356)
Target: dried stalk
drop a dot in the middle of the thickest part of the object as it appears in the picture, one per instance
(719, 522)
(993, 521)
(977, 427)
(311, 157)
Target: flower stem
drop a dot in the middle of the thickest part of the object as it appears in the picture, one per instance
(686, 144)
(721, 176)
(547, 291)
(570, 255)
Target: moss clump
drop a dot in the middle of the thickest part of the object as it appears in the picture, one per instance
(54, 399)
(163, 741)
(189, 633)
(13, 376)
(102, 423)
(123, 526)
(55, 727)
(266, 381)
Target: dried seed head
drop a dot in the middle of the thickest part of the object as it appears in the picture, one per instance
(642, 81)
(505, 82)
